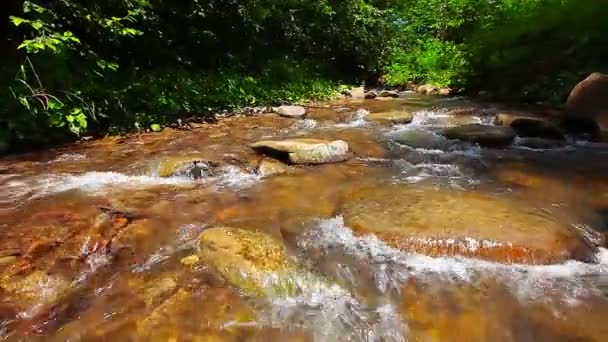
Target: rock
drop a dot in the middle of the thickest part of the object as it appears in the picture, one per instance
(269, 167)
(291, 111)
(530, 125)
(394, 117)
(35, 289)
(371, 94)
(357, 93)
(444, 91)
(540, 143)
(419, 138)
(304, 150)
(389, 93)
(252, 261)
(588, 102)
(189, 166)
(427, 89)
(484, 135)
(210, 315)
(442, 222)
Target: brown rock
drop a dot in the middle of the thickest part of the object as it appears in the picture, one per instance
(531, 125)
(389, 93)
(269, 167)
(394, 117)
(588, 102)
(442, 222)
(304, 151)
(484, 135)
(371, 94)
(427, 89)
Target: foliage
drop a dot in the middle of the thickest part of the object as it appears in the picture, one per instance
(92, 67)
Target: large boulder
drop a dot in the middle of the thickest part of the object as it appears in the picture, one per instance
(393, 117)
(445, 222)
(291, 111)
(484, 135)
(254, 262)
(304, 150)
(530, 125)
(588, 103)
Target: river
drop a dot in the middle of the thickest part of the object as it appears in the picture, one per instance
(414, 238)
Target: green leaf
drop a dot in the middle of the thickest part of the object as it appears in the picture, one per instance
(156, 127)
(17, 21)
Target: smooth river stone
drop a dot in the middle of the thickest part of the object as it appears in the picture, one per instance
(443, 222)
(254, 262)
(394, 117)
(304, 150)
(484, 135)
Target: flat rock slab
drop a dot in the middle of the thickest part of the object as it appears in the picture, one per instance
(394, 117)
(484, 135)
(445, 222)
(304, 151)
(291, 111)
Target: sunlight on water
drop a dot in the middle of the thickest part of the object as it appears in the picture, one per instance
(573, 279)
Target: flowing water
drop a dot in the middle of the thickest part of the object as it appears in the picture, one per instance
(96, 238)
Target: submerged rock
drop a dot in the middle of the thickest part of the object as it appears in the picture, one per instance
(291, 111)
(484, 135)
(588, 101)
(209, 316)
(270, 167)
(304, 150)
(193, 167)
(254, 262)
(530, 125)
(35, 289)
(441, 222)
(394, 117)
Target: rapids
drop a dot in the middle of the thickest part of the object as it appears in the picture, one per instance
(98, 240)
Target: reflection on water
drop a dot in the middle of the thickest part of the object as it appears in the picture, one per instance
(97, 239)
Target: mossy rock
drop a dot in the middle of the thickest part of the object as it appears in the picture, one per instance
(254, 262)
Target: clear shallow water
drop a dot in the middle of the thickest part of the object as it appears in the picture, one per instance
(71, 271)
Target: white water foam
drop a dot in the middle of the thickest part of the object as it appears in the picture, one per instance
(69, 157)
(358, 120)
(566, 282)
(17, 190)
(306, 124)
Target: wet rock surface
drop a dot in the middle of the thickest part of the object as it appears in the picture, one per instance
(484, 135)
(304, 151)
(440, 222)
(393, 117)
